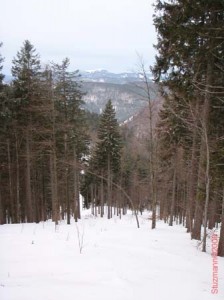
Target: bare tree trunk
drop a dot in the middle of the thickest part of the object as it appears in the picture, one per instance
(221, 238)
(43, 198)
(102, 196)
(108, 188)
(54, 187)
(2, 212)
(53, 161)
(35, 199)
(212, 213)
(10, 183)
(203, 173)
(77, 212)
(68, 208)
(173, 195)
(17, 183)
(152, 158)
(154, 200)
(192, 179)
(28, 180)
(152, 145)
(198, 216)
(95, 197)
(92, 198)
(207, 183)
(67, 199)
(78, 195)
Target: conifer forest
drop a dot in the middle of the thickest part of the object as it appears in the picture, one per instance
(54, 153)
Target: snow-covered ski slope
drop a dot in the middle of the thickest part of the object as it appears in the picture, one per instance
(117, 262)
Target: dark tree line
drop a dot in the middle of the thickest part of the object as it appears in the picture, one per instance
(43, 140)
(116, 176)
(52, 149)
(190, 69)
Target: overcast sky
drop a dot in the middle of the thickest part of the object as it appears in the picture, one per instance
(94, 34)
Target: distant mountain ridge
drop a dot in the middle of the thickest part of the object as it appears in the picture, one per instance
(105, 76)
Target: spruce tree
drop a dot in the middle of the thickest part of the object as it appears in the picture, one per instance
(108, 149)
(71, 132)
(26, 89)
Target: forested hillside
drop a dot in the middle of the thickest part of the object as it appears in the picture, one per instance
(128, 99)
(168, 159)
(190, 68)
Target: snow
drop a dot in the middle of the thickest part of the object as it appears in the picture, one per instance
(127, 121)
(117, 262)
(95, 70)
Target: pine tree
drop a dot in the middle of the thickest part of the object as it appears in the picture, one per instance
(26, 72)
(108, 149)
(102, 173)
(72, 138)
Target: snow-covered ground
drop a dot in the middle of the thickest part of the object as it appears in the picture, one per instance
(118, 262)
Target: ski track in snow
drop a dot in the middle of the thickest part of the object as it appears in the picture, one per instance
(118, 262)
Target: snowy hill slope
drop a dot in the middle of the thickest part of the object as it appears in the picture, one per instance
(118, 262)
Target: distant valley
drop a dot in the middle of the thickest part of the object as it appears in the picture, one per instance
(126, 90)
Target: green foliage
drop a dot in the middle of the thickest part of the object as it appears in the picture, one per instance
(92, 120)
(105, 160)
(26, 83)
(44, 137)
(189, 35)
(109, 144)
(25, 70)
(70, 118)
